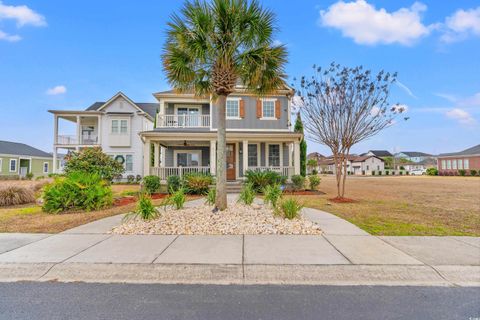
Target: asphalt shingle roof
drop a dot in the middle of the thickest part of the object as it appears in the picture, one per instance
(148, 108)
(381, 153)
(416, 154)
(466, 152)
(21, 149)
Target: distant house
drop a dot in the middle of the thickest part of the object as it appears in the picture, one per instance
(413, 156)
(468, 159)
(410, 165)
(378, 153)
(357, 165)
(18, 159)
(315, 155)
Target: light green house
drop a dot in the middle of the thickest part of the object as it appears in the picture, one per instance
(18, 159)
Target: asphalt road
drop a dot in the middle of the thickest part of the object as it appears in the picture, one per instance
(128, 301)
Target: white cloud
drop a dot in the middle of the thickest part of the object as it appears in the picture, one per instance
(461, 116)
(9, 37)
(367, 25)
(461, 24)
(23, 15)
(462, 102)
(56, 90)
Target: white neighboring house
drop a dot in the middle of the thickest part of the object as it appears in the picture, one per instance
(357, 165)
(114, 126)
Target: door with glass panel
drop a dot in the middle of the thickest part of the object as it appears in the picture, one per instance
(188, 116)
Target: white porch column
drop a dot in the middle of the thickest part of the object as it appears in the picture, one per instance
(99, 130)
(213, 157)
(54, 164)
(290, 155)
(157, 154)
(245, 156)
(296, 155)
(163, 151)
(78, 131)
(55, 129)
(146, 157)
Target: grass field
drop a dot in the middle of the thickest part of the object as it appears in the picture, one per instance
(406, 205)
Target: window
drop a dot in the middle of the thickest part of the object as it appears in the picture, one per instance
(368, 168)
(13, 165)
(128, 162)
(268, 109)
(274, 155)
(252, 155)
(188, 158)
(45, 167)
(460, 164)
(115, 128)
(188, 116)
(449, 164)
(454, 164)
(233, 109)
(466, 164)
(120, 126)
(123, 126)
(444, 166)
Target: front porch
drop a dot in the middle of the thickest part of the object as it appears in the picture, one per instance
(174, 156)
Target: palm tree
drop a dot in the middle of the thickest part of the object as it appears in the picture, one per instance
(213, 46)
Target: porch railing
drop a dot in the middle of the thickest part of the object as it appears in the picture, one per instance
(67, 139)
(284, 171)
(183, 121)
(165, 172)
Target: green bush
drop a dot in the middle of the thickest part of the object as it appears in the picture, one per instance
(29, 176)
(462, 172)
(93, 160)
(473, 172)
(314, 181)
(198, 183)
(145, 208)
(151, 184)
(211, 195)
(379, 173)
(261, 179)
(77, 191)
(272, 194)
(174, 183)
(138, 178)
(387, 172)
(373, 172)
(176, 199)
(290, 208)
(247, 194)
(298, 182)
(432, 171)
(130, 178)
(15, 195)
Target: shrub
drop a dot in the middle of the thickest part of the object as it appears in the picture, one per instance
(473, 172)
(379, 173)
(39, 178)
(211, 195)
(387, 172)
(314, 181)
(174, 183)
(29, 176)
(272, 194)
(363, 172)
(247, 194)
(407, 173)
(130, 178)
(373, 172)
(78, 190)
(401, 173)
(462, 172)
(176, 199)
(290, 208)
(151, 184)
(15, 195)
(314, 172)
(432, 171)
(145, 208)
(138, 178)
(298, 182)
(261, 179)
(197, 183)
(93, 160)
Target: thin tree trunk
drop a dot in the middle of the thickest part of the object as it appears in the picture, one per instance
(221, 176)
(345, 173)
(338, 172)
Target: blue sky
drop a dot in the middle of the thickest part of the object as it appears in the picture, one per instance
(67, 54)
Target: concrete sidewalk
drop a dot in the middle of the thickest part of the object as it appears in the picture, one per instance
(343, 255)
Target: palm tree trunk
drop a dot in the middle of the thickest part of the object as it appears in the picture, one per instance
(221, 176)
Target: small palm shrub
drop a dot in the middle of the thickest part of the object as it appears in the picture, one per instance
(290, 208)
(29, 176)
(138, 178)
(151, 184)
(211, 195)
(145, 208)
(247, 194)
(473, 172)
(314, 181)
(462, 172)
(260, 179)
(432, 171)
(198, 183)
(272, 194)
(130, 178)
(14, 195)
(176, 199)
(77, 191)
(298, 182)
(174, 183)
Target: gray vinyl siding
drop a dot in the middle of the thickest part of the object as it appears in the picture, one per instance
(169, 157)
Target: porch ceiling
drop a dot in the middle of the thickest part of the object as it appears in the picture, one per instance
(232, 136)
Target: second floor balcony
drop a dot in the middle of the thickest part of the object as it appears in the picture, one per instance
(183, 121)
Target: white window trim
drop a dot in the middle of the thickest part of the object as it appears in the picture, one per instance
(119, 133)
(259, 150)
(274, 100)
(176, 152)
(238, 108)
(267, 147)
(10, 165)
(48, 167)
(466, 164)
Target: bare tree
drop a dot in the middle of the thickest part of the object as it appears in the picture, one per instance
(342, 106)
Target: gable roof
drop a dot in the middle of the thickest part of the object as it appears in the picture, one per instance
(21, 149)
(381, 153)
(149, 108)
(415, 154)
(475, 150)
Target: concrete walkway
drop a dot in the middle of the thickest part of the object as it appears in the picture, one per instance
(343, 255)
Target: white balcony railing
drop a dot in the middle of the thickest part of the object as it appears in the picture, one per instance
(183, 121)
(165, 172)
(67, 139)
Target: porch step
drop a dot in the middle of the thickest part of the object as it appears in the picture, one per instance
(234, 186)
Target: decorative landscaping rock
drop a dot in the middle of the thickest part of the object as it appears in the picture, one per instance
(236, 219)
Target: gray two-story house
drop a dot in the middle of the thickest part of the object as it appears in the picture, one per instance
(181, 131)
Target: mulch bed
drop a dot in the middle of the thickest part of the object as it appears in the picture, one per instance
(304, 193)
(123, 201)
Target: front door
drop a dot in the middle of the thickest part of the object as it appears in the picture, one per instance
(231, 161)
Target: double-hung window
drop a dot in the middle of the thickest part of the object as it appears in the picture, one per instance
(252, 155)
(466, 164)
(128, 162)
(454, 164)
(13, 165)
(274, 155)
(188, 158)
(460, 164)
(449, 164)
(45, 167)
(123, 126)
(115, 126)
(268, 109)
(120, 126)
(233, 109)
(444, 164)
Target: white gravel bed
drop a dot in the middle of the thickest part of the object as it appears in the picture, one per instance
(237, 219)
